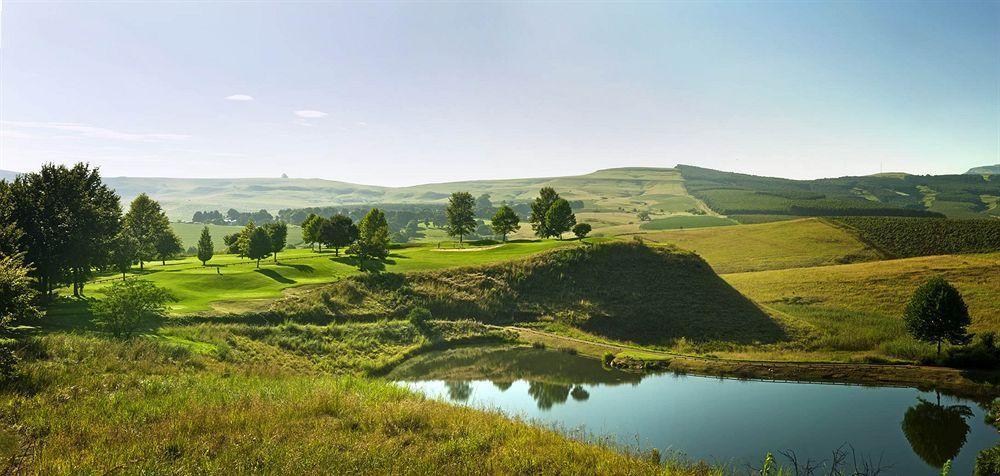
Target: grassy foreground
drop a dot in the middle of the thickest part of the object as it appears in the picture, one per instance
(88, 404)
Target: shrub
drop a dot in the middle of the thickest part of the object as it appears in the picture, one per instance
(608, 358)
(988, 462)
(127, 304)
(419, 316)
(984, 354)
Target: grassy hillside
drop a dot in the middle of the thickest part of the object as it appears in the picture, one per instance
(883, 194)
(858, 307)
(984, 170)
(691, 221)
(785, 244)
(907, 237)
(618, 290)
(628, 190)
(151, 405)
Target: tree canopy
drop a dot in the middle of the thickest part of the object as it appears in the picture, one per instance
(147, 223)
(206, 249)
(581, 230)
(373, 238)
(258, 244)
(339, 231)
(937, 313)
(560, 218)
(505, 222)
(277, 233)
(539, 208)
(461, 215)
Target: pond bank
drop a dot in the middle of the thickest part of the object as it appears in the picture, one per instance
(965, 383)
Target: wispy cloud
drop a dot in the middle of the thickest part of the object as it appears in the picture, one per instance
(88, 131)
(308, 114)
(240, 97)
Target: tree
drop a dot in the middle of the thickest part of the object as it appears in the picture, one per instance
(339, 231)
(243, 242)
(258, 245)
(277, 232)
(505, 222)
(312, 230)
(127, 304)
(232, 242)
(66, 217)
(539, 208)
(373, 238)
(206, 249)
(461, 215)
(123, 252)
(147, 223)
(937, 313)
(581, 230)
(484, 207)
(560, 218)
(168, 245)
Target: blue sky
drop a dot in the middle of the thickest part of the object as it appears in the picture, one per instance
(404, 93)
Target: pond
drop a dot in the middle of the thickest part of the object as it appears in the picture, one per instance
(725, 421)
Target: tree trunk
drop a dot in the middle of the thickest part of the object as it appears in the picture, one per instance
(258, 263)
(140, 265)
(939, 348)
(276, 257)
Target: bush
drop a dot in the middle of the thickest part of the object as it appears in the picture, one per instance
(984, 354)
(419, 316)
(8, 361)
(127, 304)
(608, 357)
(988, 462)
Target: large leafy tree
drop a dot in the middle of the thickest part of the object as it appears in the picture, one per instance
(206, 249)
(560, 218)
(277, 232)
(311, 229)
(147, 223)
(17, 293)
(461, 215)
(258, 245)
(937, 313)
(124, 252)
(505, 222)
(539, 208)
(484, 207)
(68, 217)
(373, 238)
(339, 231)
(243, 241)
(168, 246)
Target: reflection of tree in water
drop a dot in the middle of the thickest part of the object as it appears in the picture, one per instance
(548, 394)
(579, 393)
(459, 390)
(936, 432)
(502, 386)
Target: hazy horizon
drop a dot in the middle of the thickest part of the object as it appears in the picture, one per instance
(405, 94)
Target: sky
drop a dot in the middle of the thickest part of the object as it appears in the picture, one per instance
(396, 93)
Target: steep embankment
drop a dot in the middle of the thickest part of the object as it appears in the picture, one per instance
(625, 291)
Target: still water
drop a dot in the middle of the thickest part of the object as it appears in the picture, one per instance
(724, 421)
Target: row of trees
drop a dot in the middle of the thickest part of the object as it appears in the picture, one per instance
(254, 242)
(64, 223)
(368, 239)
(551, 216)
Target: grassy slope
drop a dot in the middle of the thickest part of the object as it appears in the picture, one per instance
(230, 278)
(786, 244)
(92, 405)
(617, 290)
(858, 307)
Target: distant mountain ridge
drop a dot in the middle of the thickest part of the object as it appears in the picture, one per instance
(984, 170)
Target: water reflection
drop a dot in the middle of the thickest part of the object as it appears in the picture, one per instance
(716, 419)
(936, 432)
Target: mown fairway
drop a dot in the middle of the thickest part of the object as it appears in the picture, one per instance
(785, 244)
(229, 281)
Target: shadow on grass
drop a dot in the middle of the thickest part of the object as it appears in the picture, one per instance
(305, 268)
(275, 276)
(370, 265)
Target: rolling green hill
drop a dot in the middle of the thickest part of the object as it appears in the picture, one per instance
(191, 232)
(620, 290)
(895, 194)
(985, 170)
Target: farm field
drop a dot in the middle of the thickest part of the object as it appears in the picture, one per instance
(190, 232)
(785, 244)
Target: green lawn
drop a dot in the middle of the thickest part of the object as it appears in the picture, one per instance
(229, 278)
